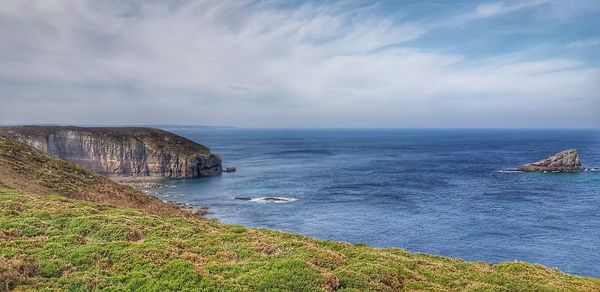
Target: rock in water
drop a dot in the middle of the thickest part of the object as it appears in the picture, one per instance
(230, 169)
(565, 161)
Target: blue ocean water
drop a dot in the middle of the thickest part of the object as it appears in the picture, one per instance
(433, 191)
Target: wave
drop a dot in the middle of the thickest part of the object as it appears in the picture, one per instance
(276, 200)
(509, 171)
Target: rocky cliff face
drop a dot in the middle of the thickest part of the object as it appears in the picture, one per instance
(139, 152)
(565, 161)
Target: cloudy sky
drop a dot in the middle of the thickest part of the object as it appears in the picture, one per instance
(396, 63)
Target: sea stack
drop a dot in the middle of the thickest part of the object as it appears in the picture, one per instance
(564, 161)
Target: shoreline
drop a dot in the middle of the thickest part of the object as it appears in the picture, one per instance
(147, 184)
(202, 211)
(141, 183)
(63, 225)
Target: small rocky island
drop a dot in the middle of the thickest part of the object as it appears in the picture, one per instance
(121, 151)
(564, 161)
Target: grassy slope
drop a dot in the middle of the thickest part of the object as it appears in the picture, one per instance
(54, 242)
(51, 241)
(24, 168)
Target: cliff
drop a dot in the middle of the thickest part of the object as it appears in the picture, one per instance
(32, 171)
(138, 152)
(564, 161)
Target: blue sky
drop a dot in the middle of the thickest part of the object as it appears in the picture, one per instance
(383, 64)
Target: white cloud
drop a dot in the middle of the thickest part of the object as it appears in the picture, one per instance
(498, 8)
(490, 9)
(587, 43)
(258, 64)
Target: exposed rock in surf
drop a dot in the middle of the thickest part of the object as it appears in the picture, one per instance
(230, 169)
(243, 198)
(275, 199)
(565, 161)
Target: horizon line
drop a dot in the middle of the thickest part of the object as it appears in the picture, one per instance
(294, 128)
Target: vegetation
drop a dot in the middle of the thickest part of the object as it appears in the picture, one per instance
(27, 169)
(51, 242)
(60, 242)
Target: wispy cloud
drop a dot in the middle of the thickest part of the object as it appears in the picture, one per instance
(263, 64)
(498, 8)
(587, 43)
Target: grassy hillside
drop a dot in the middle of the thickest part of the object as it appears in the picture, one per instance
(50, 242)
(29, 170)
(54, 242)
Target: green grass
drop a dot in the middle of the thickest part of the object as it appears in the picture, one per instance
(31, 171)
(52, 242)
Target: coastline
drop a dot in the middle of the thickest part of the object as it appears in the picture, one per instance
(346, 180)
(64, 226)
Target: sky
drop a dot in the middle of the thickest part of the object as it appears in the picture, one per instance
(305, 64)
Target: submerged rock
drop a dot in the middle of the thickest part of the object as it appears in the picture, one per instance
(565, 161)
(243, 198)
(230, 169)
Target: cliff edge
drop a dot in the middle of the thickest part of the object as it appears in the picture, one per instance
(125, 152)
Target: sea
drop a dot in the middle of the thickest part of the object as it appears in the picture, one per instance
(449, 192)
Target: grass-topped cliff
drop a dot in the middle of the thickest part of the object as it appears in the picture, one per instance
(121, 152)
(160, 139)
(29, 170)
(53, 242)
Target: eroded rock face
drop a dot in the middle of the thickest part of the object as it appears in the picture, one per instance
(139, 152)
(565, 161)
